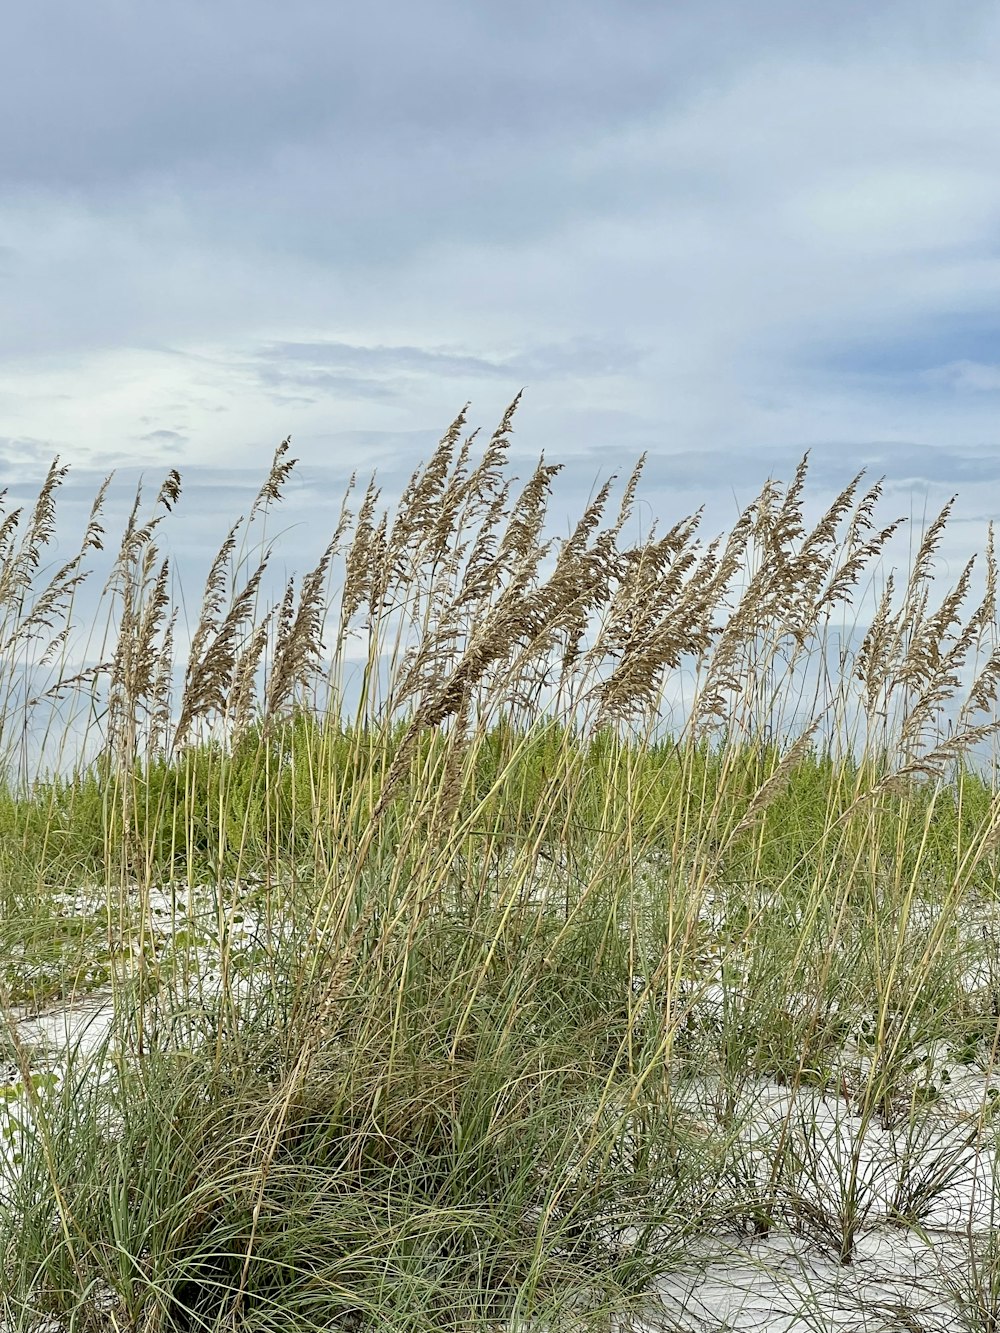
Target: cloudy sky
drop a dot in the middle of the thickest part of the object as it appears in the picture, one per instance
(723, 232)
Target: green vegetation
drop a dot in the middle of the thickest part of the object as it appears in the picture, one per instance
(481, 1000)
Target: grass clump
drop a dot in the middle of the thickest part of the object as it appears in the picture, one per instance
(477, 997)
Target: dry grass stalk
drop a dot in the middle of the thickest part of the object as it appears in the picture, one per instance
(139, 584)
(35, 623)
(479, 614)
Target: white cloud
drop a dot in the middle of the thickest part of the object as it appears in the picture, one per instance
(970, 376)
(682, 228)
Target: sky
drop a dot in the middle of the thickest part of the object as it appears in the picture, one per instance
(724, 233)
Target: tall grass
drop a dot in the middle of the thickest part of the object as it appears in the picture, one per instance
(458, 1005)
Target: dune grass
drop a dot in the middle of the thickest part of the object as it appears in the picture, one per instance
(474, 996)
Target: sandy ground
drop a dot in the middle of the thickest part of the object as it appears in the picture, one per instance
(791, 1280)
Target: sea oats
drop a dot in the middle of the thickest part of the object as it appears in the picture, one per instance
(359, 566)
(281, 469)
(468, 607)
(483, 952)
(299, 641)
(241, 711)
